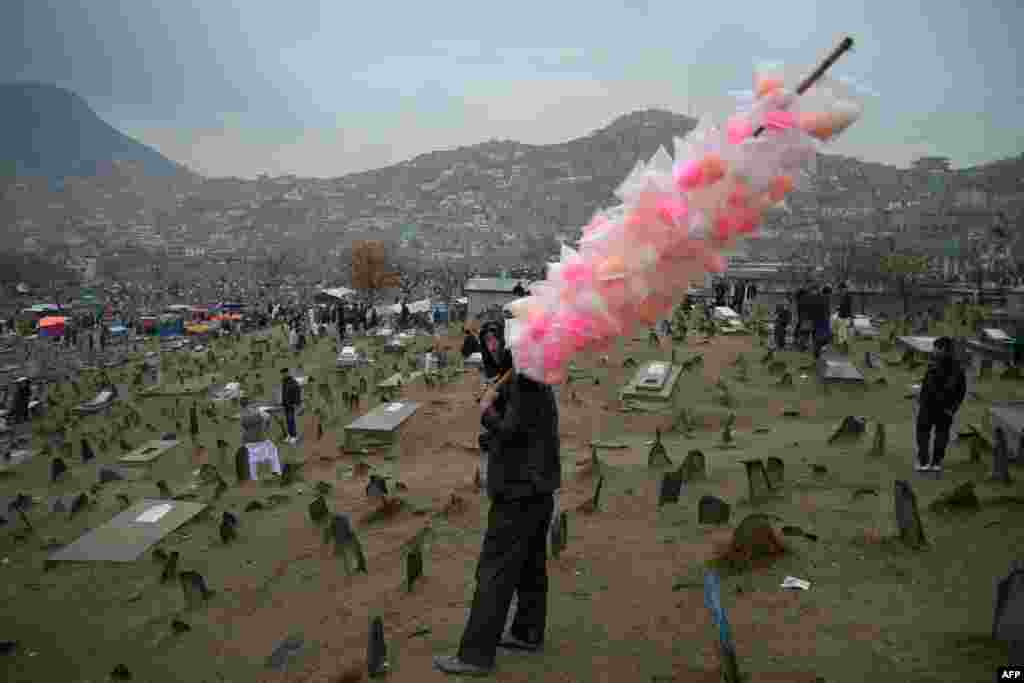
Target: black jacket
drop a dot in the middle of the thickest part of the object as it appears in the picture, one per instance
(291, 392)
(470, 345)
(944, 386)
(524, 448)
(783, 316)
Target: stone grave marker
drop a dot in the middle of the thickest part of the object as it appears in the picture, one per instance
(726, 647)
(878, 446)
(347, 545)
(559, 534)
(672, 486)
(194, 587)
(413, 565)
(775, 470)
(1001, 460)
(87, 452)
(908, 520)
(593, 504)
(78, 503)
(318, 510)
(658, 456)
(377, 487)
(1008, 621)
(376, 650)
(850, 428)
(285, 651)
(57, 469)
(786, 380)
(695, 466)
(228, 527)
(712, 510)
(962, 497)
(758, 484)
(170, 570)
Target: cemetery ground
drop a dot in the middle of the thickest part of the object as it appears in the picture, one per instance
(626, 600)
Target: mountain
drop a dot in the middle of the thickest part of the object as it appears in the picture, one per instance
(50, 132)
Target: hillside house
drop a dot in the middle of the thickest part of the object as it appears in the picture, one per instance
(487, 293)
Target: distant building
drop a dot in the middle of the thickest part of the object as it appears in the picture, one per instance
(487, 293)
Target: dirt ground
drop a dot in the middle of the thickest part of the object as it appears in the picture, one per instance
(626, 600)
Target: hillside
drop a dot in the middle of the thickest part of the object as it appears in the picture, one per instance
(51, 132)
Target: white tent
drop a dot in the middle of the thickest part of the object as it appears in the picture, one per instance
(338, 292)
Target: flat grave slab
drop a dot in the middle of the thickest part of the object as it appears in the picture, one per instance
(382, 422)
(148, 452)
(128, 535)
(923, 345)
(839, 370)
(656, 384)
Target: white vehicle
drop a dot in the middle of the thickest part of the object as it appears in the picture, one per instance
(728, 319)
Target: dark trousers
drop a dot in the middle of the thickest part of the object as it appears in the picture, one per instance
(821, 339)
(513, 560)
(927, 421)
(289, 416)
(780, 336)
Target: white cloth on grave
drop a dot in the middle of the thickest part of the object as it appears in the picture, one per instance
(260, 452)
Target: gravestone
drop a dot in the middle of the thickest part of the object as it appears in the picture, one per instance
(413, 566)
(347, 545)
(593, 504)
(1008, 621)
(712, 510)
(318, 510)
(786, 380)
(78, 503)
(872, 360)
(839, 370)
(962, 497)
(850, 428)
(87, 452)
(170, 569)
(1000, 460)
(376, 650)
(228, 527)
(377, 487)
(878, 446)
(57, 469)
(658, 456)
(559, 534)
(775, 470)
(285, 651)
(194, 587)
(671, 487)
(908, 520)
(758, 484)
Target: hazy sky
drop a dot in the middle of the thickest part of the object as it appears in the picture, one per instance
(322, 88)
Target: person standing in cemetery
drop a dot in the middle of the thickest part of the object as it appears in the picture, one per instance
(782, 319)
(845, 314)
(22, 398)
(254, 423)
(822, 324)
(291, 397)
(942, 392)
(522, 416)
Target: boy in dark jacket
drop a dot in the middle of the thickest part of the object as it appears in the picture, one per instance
(942, 391)
(525, 472)
(291, 397)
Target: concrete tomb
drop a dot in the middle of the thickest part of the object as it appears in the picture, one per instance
(712, 510)
(129, 534)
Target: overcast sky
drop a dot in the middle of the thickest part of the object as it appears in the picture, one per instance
(323, 88)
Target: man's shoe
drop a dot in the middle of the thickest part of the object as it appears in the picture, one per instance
(510, 642)
(922, 467)
(451, 664)
(934, 468)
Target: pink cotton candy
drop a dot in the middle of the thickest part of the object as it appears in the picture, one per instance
(538, 328)
(779, 120)
(687, 175)
(577, 273)
(714, 262)
(672, 210)
(578, 330)
(554, 357)
(738, 129)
